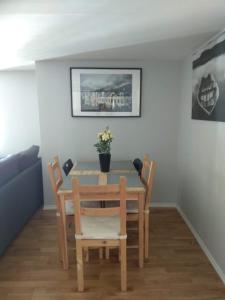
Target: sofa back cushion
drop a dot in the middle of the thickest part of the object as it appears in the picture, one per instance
(28, 157)
(8, 168)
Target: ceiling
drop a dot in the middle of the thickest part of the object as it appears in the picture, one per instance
(33, 30)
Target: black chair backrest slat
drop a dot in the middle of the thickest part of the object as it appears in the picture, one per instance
(67, 166)
(138, 165)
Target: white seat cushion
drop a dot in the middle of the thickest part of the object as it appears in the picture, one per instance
(100, 227)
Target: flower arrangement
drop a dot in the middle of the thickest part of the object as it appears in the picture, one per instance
(104, 140)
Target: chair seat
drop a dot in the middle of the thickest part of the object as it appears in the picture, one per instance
(99, 227)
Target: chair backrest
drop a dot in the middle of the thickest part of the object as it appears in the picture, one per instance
(138, 165)
(145, 169)
(146, 157)
(55, 174)
(67, 166)
(149, 184)
(93, 192)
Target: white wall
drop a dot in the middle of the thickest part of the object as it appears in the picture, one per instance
(19, 118)
(202, 173)
(155, 132)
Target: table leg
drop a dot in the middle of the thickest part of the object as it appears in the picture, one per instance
(63, 234)
(141, 229)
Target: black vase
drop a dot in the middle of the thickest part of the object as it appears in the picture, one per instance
(104, 159)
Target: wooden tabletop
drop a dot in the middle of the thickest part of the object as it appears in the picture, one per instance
(93, 168)
(134, 183)
(89, 173)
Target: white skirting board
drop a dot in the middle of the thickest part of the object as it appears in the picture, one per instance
(194, 232)
(164, 204)
(203, 246)
(49, 207)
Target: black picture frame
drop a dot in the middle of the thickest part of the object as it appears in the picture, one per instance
(105, 92)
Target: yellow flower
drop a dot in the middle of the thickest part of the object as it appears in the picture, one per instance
(105, 137)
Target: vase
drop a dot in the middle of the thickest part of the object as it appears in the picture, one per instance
(104, 159)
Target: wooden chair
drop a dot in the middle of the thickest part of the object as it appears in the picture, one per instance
(148, 197)
(147, 176)
(100, 227)
(56, 179)
(132, 206)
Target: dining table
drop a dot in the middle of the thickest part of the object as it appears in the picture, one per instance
(88, 172)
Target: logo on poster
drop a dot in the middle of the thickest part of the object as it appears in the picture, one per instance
(208, 93)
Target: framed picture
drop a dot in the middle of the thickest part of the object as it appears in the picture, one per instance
(208, 81)
(105, 92)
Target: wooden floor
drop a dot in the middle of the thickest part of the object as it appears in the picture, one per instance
(177, 268)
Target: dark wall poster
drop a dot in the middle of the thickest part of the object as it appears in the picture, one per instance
(208, 81)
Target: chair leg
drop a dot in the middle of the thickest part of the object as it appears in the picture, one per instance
(107, 252)
(119, 254)
(63, 240)
(100, 253)
(146, 235)
(86, 254)
(80, 266)
(123, 265)
(59, 239)
(141, 229)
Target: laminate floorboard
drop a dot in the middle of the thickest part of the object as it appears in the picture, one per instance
(177, 269)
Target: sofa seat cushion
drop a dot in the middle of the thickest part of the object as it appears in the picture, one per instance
(8, 168)
(28, 157)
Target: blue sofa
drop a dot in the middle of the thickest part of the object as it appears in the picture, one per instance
(21, 192)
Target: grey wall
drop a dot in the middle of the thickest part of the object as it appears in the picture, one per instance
(155, 132)
(202, 173)
(19, 117)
